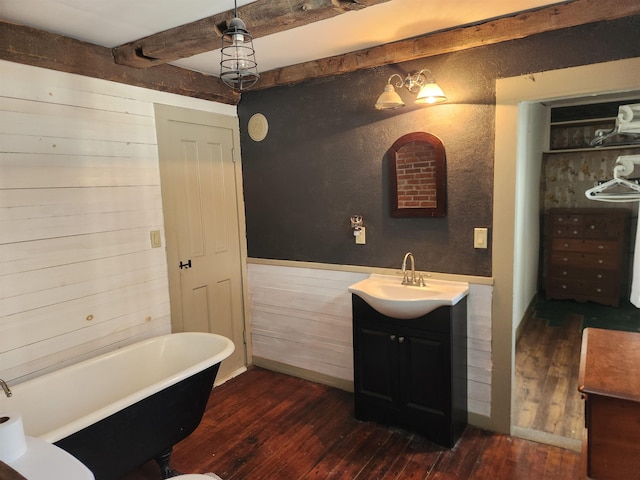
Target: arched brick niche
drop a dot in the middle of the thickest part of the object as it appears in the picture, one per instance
(417, 176)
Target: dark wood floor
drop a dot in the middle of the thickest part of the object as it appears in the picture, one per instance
(265, 425)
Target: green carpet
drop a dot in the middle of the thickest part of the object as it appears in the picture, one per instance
(626, 317)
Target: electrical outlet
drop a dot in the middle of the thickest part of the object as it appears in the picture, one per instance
(480, 237)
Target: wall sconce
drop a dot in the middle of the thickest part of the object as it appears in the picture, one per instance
(422, 83)
(238, 67)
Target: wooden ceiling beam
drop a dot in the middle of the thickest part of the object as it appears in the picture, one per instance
(263, 17)
(546, 19)
(31, 46)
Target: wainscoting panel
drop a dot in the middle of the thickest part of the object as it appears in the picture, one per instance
(301, 317)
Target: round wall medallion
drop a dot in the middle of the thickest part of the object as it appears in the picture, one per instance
(258, 127)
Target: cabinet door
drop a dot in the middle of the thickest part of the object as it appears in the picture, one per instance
(376, 365)
(425, 361)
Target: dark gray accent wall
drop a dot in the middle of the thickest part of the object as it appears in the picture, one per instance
(324, 158)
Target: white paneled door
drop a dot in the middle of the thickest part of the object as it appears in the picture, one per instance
(200, 201)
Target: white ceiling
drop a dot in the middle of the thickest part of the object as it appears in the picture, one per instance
(113, 22)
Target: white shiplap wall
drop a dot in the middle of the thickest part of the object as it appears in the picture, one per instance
(302, 317)
(79, 196)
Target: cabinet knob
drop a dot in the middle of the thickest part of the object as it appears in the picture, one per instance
(565, 259)
(564, 273)
(575, 232)
(601, 247)
(392, 338)
(564, 287)
(592, 227)
(400, 339)
(599, 290)
(599, 275)
(600, 260)
(566, 245)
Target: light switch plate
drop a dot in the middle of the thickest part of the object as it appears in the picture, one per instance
(480, 237)
(156, 239)
(361, 238)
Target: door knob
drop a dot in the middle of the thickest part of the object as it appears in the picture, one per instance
(185, 265)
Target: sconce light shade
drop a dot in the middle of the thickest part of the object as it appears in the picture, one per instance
(422, 82)
(429, 94)
(389, 99)
(238, 67)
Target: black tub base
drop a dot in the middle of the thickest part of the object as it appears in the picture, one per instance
(143, 431)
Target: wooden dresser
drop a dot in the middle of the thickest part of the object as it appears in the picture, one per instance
(609, 381)
(585, 251)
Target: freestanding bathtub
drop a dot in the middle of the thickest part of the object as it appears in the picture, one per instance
(121, 409)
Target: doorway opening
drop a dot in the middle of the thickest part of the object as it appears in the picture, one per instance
(578, 285)
(521, 120)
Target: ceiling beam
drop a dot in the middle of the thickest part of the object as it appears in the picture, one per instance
(578, 12)
(263, 17)
(31, 46)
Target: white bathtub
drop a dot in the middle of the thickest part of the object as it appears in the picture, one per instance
(58, 406)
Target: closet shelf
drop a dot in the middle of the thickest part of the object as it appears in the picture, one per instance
(627, 146)
(585, 121)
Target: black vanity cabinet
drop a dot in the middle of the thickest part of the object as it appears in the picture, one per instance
(412, 373)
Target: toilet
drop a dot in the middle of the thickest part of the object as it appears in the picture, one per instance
(45, 461)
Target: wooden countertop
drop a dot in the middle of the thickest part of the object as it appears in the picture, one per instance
(610, 364)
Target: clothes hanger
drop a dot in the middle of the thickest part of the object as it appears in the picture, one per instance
(618, 189)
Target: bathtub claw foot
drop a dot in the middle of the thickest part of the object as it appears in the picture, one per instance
(165, 469)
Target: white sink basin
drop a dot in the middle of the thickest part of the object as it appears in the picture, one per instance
(387, 295)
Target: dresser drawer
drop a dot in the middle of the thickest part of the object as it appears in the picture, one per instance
(603, 227)
(609, 247)
(585, 260)
(588, 275)
(579, 288)
(567, 231)
(567, 219)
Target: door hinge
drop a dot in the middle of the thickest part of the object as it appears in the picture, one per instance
(233, 155)
(244, 336)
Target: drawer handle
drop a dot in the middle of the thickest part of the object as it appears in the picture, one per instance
(575, 232)
(559, 232)
(564, 287)
(601, 247)
(565, 259)
(592, 227)
(564, 273)
(575, 220)
(600, 260)
(566, 245)
(392, 338)
(599, 275)
(599, 290)
(400, 339)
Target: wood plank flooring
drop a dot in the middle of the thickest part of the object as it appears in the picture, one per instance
(546, 397)
(265, 425)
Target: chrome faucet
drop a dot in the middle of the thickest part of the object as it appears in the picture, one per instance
(5, 387)
(405, 277)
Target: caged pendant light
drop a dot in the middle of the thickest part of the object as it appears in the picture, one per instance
(238, 67)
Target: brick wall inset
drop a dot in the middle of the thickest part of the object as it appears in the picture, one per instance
(416, 176)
